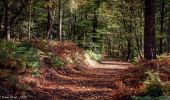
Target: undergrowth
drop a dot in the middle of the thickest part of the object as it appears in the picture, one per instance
(18, 56)
(93, 55)
(153, 84)
(155, 89)
(56, 61)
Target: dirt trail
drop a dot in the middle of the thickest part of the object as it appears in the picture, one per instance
(108, 82)
(113, 65)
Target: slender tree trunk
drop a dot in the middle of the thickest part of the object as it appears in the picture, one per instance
(149, 30)
(7, 20)
(2, 21)
(74, 24)
(85, 30)
(161, 27)
(29, 20)
(129, 50)
(109, 47)
(95, 19)
(129, 42)
(60, 19)
(1, 17)
(169, 37)
(71, 27)
(49, 26)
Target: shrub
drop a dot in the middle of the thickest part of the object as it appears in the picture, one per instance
(6, 49)
(154, 86)
(58, 62)
(35, 73)
(93, 55)
(12, 55)
(25, 44)
(26, 57)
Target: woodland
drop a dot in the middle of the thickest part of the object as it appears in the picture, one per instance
(85, 49)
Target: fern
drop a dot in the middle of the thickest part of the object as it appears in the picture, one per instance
(154, 85)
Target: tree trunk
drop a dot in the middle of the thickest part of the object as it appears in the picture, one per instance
(1, 17)
(129, 50)
(149, 30)
(161, 26)
(74, 25)
(29, 20)
(169, 37)
(7, 20)
(71, 27)
(60, 19)
(109, 47)
(49, 26)
(2, 21)
(95, 19)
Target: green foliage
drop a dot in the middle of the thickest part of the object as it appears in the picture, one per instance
(93, 55)
(87, 21)
(25, 44)
(58, 62)
(19, 56)
(73, 5)
(35, 73)
(6, 48)
(13, 81)
(154, 86)
(26, 57)
(151, 98)
(52, 60)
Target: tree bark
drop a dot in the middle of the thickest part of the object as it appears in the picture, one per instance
(161, 26)
(129, 50)
(29, 19)
(149, 30)
(95, 19)
(7, 20)
(49, 26)
(1, 17)
(60, 19)
(169, 37)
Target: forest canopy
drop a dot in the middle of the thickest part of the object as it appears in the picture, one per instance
(113, 26)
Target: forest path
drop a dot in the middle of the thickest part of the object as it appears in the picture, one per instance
(113, 65)
(110, 81)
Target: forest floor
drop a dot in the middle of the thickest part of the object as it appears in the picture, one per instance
(111, 81)
(107, 80)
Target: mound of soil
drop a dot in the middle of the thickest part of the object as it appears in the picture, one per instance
(67, 51)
